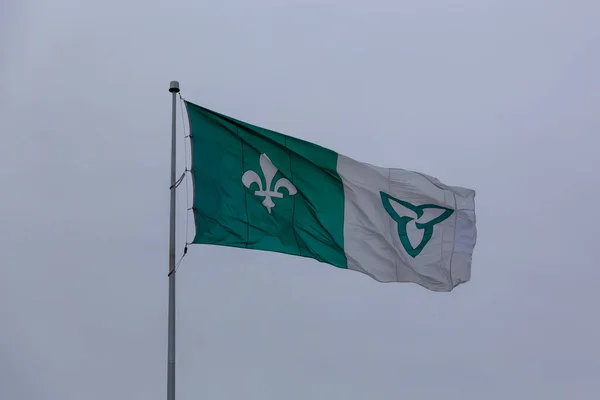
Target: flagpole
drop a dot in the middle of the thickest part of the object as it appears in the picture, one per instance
(174, 89)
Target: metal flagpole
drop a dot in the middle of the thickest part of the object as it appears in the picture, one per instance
(174, 89)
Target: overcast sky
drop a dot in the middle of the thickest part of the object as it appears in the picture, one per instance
(499, 96)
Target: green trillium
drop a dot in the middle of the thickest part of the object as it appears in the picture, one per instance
(425, 217)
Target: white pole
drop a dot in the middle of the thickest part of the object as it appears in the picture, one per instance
(174, 89)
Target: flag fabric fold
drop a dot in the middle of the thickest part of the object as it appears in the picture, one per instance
(259, 189)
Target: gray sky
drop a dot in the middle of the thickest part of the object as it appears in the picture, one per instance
(498, 96)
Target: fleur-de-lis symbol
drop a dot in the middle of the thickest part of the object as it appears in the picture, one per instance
(267, 191)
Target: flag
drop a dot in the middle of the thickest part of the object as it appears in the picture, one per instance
(259, 189)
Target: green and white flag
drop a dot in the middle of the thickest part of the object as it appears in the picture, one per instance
(258, 189)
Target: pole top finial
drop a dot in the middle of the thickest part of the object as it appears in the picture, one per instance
(174, 87)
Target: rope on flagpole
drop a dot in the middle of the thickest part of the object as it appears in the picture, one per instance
(183, 176)
(178, 262)
(187, 183)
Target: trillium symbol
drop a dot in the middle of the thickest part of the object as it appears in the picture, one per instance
(414, 222)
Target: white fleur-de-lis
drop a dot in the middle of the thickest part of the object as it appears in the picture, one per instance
(269, 170)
